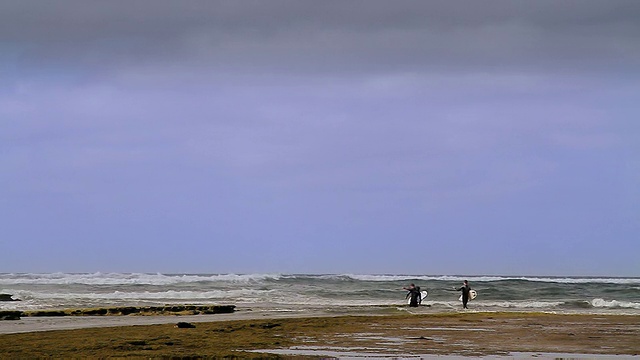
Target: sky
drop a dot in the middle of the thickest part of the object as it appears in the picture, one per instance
(360, 137)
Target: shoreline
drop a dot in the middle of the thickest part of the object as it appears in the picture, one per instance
(316, 333)
(77, 320)
(120, 310)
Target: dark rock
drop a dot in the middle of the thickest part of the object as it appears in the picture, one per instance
(185, 325)
(216, 309)
(270, 326)
(47, 313)
(129, 310)
(95, 312)
(126, 310)
(138, 342)
(10, 315)
(173, 308)
(7, 297)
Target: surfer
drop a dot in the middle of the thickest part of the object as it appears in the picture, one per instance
(414, 293)
(465, 293)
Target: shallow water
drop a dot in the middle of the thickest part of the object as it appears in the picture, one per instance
(354, 353)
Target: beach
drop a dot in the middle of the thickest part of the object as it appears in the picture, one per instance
(249, 334)
(342, 316)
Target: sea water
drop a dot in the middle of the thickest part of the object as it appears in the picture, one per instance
(288, 292)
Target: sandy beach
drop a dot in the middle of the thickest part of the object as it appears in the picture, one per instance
(250, 334)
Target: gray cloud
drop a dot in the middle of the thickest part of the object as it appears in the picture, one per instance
(352, 120)
(326, 37)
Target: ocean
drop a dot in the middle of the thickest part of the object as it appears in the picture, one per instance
(288, 292)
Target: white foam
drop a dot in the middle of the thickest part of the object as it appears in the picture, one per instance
(127, 279)
(501, 304)
(99, 278)
(457, 278)
(365, 277)
(580, 280)
(601, 303)
(146, 295)
(523, 304)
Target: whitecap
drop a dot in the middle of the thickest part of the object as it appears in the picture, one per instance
(99, 278)
(602, 303)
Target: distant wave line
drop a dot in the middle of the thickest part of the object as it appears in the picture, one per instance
(159, 279)
(128, 278)
(561, 280)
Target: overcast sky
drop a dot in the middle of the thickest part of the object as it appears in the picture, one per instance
(410, 137)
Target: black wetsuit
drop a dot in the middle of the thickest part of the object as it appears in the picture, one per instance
(465, 295)
(416, 297)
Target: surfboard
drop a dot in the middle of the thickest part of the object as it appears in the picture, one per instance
(472, 295)
(423, 294)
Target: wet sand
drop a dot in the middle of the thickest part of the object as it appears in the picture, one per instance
(249, 334)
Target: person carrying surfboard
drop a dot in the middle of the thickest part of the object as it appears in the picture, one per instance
(465, 293)
(414, 293)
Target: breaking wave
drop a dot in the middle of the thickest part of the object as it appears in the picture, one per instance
(496, 293)
(614, 304)
(457, 278)
(128, 279)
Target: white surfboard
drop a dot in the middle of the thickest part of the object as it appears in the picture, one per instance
(472, 295)
(423, 295)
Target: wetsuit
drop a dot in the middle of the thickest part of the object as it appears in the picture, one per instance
(416, 297)
(465, 295)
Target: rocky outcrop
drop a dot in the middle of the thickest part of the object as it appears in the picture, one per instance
(7, 297)
(10, 315)
(156, 310)
(185, 325)
(124, 310)
(45, 313)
